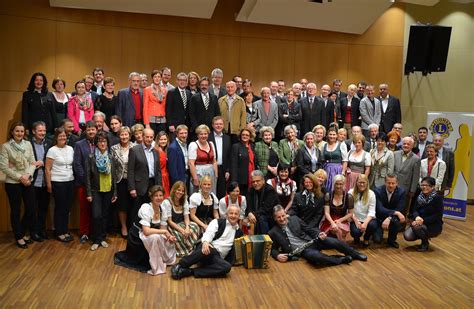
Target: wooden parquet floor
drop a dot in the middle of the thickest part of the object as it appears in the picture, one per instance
(57, 275)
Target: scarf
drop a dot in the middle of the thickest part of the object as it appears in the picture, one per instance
(84, 103)
(102, 161)
(424, 200)
(157, 93)
(21, 146)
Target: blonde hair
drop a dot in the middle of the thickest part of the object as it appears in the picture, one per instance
(321, 173)
(205, 178)
(365, 193)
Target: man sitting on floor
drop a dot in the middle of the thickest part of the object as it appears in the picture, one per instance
(291, 233)
(215, 253)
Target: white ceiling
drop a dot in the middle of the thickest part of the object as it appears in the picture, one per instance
(348, 16)
(186, 8)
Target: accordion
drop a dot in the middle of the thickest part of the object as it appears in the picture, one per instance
(239, 258)
(256, 250)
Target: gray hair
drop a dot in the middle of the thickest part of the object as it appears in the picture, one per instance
(182, 74)
(257, 173)
(217, 72)
(373, 125)
(308, 134)
(133, 74)
(277, 208)
(267, 129)
(98, 114)
(290, 127)
(143, 75)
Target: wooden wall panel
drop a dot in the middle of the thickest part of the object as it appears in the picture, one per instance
(81, 47)
(266, 60)
(223, 50)
(145, 50)
(70, 43)
(28, 48)
(321, 62)
(374, 65)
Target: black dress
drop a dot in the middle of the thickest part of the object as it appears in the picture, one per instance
(106, 106)
(38, 106)
(135, 255)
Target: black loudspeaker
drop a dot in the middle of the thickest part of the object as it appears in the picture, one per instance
(427, 49)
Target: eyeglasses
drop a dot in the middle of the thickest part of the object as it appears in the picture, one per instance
(425, 185)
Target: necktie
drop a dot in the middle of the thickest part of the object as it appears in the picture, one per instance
(311, 102)
(206, 101)
(183, 97)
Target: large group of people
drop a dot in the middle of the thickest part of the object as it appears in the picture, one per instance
(177, 170)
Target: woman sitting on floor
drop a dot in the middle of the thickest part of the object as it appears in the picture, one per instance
(150, 247)
(428, 214)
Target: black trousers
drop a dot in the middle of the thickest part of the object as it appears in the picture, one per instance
(41, 206)
(63, 198)
(221, 185)
(393, 229)
(101, 202)
(213, 265)
(15, 193)
(371, 229)
(316, 257)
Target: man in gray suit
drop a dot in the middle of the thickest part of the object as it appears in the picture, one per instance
(216, 87)
(447, 155)
(140, 176)
(267, 109)
(407, 168)
(370, 110)
(130, 102)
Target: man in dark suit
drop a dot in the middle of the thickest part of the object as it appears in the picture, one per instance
(140, 177)
(178, 157)
(261, 199)
(203, 106)
(350, 100)
(336, 87)
(98, 86)
(89, 82)
(40, 147)
(328, 105)
(215, 253)
(82, 149)
(291, 233)
(391, 111)
(216, 87)
(223, 146)
(130, 102)
(312, 108)
(447, 155)
(422, 141)
(177, 105)
(390, 207)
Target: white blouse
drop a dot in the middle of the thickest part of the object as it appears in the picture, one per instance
(223, 206)
(146, 213)
(196, 198)
(361, 210)
(62, 163)
(166, 208)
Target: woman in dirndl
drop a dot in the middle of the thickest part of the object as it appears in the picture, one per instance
(358, 162)
(202, 159)
(335, 157)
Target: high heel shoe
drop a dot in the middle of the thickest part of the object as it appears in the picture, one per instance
(21, 246)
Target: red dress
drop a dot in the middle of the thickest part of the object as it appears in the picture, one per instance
(165, 179)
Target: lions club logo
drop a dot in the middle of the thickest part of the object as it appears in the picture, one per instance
(441, 126)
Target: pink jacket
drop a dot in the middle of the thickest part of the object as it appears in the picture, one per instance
(73, 112)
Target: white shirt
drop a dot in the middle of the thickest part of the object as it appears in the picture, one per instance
(184, 149)
(196, 198)
(361, 210)
(223, 244)
(384, 104)
(61, 170)
(166, 208)
(219, 138)
(150, 159)
(146, 213)
(223, 206)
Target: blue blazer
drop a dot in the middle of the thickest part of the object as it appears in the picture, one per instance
(176, 164)
(386, 209)
(81, 153)
(125, 107)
